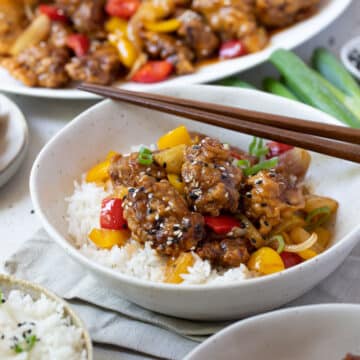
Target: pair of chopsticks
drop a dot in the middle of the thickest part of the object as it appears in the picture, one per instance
(332, 140)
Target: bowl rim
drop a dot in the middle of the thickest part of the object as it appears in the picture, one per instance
(131, 280)
(274, 314)
(15, 282)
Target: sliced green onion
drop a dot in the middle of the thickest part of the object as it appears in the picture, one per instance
(243, 163)
(30, 342)
(257, 148)
(264, 165)
(280, 241)
(18, 349)
(322, 212)
(1, 296)
(26, 345)
(145, 156)
(252, 145)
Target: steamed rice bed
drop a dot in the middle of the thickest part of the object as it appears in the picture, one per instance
(37, 330)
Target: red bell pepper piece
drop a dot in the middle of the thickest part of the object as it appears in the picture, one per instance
(276, 149)
(290, 259)
(231, 49)
(236, 155)
(53, 12)
(153, 71)
(221, 224)
(79, 43)
(124, 9)
(111, 215)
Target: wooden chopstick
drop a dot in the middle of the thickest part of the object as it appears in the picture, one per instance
(336, 132)
(212, 114)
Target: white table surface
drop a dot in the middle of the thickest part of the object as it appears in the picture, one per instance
(45, 117)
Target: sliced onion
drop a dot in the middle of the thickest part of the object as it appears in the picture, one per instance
(302, 246)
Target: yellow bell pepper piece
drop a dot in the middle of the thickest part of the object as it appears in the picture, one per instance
(116, 25)
(106, 239)
(175, 268)
(165, 26)
(176, 182)
(111, 154)
(178, 136)
(127, 51)
(307, 254)
(266, 261)
(100, 172)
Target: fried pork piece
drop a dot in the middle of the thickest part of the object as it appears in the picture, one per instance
(87, 15)
(269, 198)
(233, 19)
(126, 171)
(225, 253)
(59, 33)
(212, 183)
(100, 66)
(280, 13)
(40, 65)
(156, 212)
(163, 46)
(197, 34)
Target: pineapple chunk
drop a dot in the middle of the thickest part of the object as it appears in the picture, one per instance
(175, 268)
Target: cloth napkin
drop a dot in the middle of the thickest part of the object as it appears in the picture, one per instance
(122, 330)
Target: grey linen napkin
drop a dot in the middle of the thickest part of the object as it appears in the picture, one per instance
(109, 318)
(133, 332)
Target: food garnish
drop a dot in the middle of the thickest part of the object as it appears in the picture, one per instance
(145, 156)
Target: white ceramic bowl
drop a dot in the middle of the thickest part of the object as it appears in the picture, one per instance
(8, 283)
(116, 126)
(14, 139)
(327, 331)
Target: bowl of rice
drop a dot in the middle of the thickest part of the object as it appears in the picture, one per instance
(36, 324)
(69, 208)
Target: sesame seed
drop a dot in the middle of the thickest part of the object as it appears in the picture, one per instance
(258, 182)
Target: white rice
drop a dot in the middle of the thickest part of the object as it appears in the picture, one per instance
(132, 259)
(23, 318)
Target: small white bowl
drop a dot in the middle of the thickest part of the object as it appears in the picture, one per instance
(8, 283)
(14, 139)
(327, 331)
(116, 126)
(346, 50)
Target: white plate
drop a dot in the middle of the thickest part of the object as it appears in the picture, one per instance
(353, 44)
(318, 332)
(116, 126)
(14, 139)
(288, 39)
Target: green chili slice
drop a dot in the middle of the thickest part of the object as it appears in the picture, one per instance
(280, 243)
(321, 215)
(145, 156)
(244, 164)
(257, 148)
(264, 165)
